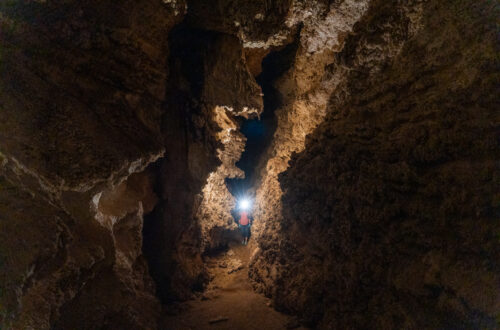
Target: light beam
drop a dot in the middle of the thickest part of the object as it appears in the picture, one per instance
(244, 204)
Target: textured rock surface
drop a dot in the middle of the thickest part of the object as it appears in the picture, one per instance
(231, 93)
(92, 92)
(80, 103)
(305, 89)
(390, 215)
(76, 83)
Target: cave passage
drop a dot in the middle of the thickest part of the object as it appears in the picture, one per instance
(373, 165)
(259, 132)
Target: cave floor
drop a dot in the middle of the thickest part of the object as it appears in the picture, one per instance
(229, 301)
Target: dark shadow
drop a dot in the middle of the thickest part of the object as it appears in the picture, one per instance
(171, 220)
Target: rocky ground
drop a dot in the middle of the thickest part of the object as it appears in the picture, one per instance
(229, 301)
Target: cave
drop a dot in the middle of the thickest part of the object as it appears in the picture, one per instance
(365, 134)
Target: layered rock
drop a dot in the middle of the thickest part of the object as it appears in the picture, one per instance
(388, 217)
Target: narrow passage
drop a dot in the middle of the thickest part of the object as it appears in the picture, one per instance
(229, 301)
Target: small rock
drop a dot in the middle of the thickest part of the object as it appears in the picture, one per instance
(218, 319)
(234, 265)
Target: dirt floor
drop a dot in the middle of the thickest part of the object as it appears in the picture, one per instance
(229, 301)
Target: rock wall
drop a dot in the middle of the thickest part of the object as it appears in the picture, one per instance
(389, 217)
(109, 116)
(231, 93)
(304, 91)
(81, 90)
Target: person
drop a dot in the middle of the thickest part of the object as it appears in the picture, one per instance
(245, 221)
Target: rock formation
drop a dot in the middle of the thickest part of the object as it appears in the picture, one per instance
(388, 218)
(80, 102)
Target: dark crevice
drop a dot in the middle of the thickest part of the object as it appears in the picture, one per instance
(171, 220)
(259, 132)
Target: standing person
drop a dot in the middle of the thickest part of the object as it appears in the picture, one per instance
(244, 223)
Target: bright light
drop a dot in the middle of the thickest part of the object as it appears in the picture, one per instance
(244, 204)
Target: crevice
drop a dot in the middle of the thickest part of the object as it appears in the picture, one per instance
(164, 226)
(172, 234)
(259, 132)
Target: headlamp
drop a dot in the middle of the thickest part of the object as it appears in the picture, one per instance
(244, 204)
